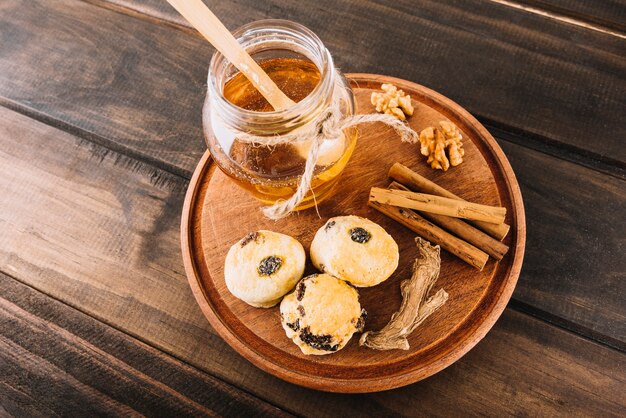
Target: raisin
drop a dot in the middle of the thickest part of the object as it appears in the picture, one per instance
(294, 325)
(252, 236)
(360, 235)
(300, 288)
(319, 342)
(269, 265)
(329, 225)
(360, 323)
(301, 310)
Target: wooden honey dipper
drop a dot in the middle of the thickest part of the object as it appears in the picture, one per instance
(205, 22)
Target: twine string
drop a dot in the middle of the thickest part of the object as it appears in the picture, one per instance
(329, 125)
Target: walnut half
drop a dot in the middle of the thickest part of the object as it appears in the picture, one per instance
(392, 102)
(434, 143)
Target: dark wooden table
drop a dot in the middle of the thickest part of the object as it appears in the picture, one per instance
(100, 131)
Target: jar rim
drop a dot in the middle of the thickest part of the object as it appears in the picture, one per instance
(303, 37)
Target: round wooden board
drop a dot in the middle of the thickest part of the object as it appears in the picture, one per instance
(217, 213)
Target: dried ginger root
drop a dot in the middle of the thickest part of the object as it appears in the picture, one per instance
(416, 306)
(392, 102)
(434, 143)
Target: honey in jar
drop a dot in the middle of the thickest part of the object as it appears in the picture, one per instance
(305, 73)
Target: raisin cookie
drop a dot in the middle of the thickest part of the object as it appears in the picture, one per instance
(263, 266)
(356, 250)
(321, 314)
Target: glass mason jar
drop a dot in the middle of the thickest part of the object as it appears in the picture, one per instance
(273, 173)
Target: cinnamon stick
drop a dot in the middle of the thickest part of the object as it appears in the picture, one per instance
(465, 231)
(417, 183)
(438, 204)
(434, 234)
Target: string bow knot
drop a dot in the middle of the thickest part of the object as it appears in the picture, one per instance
(328, 125)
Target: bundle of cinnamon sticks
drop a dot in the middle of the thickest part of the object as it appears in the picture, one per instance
(468, 230)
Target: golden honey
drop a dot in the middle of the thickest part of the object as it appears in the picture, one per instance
(272, 173)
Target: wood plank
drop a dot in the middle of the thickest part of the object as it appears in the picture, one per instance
(608, 13)
(511, 29)
(55, 360)
(108, 244)
(58, 361)
(515, 70)
(574, 267)
(62, 62)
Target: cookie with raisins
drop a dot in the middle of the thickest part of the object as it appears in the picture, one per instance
(322, 314)
(263, 266)
(356, 250)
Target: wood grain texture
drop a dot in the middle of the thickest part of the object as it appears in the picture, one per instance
(608, 13)
(109, 245)
(460, 48)
(80, 254)
(125, 269)
(217, 214)
(576, 226)
(55, 360)
(96, 369)
(144, 99)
